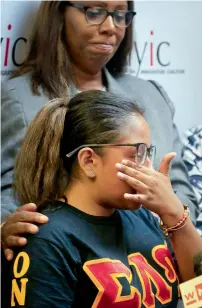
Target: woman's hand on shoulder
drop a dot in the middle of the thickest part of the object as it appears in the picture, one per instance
(22, 221)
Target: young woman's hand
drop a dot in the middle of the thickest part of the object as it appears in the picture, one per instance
(19, 223)
(153, 188)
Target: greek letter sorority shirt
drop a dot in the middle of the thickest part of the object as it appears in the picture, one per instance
(79, 260)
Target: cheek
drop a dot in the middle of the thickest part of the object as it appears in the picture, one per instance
(112, 184)
(75, 32)
(108, 178)
(120, 35)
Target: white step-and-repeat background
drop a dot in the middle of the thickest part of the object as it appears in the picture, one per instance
(167, 48)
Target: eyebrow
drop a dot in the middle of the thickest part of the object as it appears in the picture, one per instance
(105, 4)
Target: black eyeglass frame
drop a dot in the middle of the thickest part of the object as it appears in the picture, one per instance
(136, 145)
(85, 8)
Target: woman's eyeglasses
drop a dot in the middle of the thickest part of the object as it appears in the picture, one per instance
(97, 15)
(142, 151)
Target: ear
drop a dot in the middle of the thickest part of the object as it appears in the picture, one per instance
(88, 160)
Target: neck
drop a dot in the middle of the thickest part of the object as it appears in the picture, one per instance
(85, 80)
(81, 197)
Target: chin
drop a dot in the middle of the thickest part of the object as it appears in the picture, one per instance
(123, 204)
(102, 57)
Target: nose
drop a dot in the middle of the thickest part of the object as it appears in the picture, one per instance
(108, 26)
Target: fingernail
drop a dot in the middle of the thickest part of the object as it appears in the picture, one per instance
(119, 166)
(120, 175)
(124, 161)
(32, 204)
(22, 241)
(43, 218)
(9, 257)
(34, 229)
(126, 196)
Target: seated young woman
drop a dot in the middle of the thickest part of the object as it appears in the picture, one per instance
(87, 164)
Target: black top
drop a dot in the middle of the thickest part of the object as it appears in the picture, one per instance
(80, 260)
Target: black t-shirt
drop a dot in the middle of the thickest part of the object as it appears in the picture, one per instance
(79, 260)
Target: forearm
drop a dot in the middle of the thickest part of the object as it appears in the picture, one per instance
(186, 242)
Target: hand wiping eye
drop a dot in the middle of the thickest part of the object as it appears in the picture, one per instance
(152, 188)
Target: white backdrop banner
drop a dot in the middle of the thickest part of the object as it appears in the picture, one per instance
(167, 48)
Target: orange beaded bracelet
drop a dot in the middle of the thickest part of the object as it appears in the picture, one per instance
(168, 230)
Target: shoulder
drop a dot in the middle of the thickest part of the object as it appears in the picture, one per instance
(131, 79)
(14, 85)
(132, 82)
(141, 217)
(12, 109)
(59, 221)
(17, 93)
(57, 235)
(147, 89)
(63, 225)
(143, 225)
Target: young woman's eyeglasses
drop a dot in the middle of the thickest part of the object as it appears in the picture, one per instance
(142, 151)
(97, 15)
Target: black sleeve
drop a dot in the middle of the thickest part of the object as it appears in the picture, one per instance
(41, 275)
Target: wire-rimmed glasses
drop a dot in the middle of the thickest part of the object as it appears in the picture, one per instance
(142, 151)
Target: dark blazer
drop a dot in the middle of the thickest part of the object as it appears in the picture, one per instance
(19, 107)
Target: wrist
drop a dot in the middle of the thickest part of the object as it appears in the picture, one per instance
(172, 218)
(170, 224)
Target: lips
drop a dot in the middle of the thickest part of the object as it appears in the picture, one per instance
(105, 43)
(104, 46)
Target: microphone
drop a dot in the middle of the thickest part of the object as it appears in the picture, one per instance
(191, 291)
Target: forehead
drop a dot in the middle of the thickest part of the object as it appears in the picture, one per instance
(135, 130)
(114, 3)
